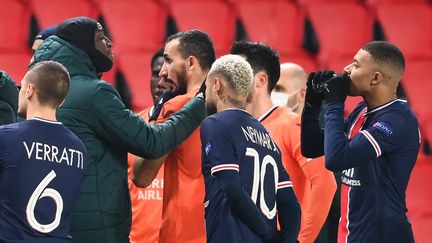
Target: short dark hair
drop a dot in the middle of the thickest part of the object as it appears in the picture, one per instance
(261, 57)
(159, 53)
(385, 52)
(51, 80)
(198, 44)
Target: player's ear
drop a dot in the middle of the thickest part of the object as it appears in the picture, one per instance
(377, 78)
(30, 90)
(217, 84)
(192, 63)
(261, 79)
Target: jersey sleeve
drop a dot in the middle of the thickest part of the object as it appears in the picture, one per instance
(120, 126)
(218, 146)
(289, 212)
(392, 131)
(312, 140)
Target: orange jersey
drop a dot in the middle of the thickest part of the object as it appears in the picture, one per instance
(313, 184)
(183, 207)
(146, 203)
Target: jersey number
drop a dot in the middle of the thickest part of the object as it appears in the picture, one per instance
(258, 180)
(42, 191)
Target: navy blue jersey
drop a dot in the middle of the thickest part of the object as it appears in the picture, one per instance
(376, 164)
(41, 171)
(233, 140)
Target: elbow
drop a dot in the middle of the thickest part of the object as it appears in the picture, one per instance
(141, 182)
(333, 164)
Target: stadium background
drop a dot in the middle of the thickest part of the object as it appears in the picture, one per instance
(317, 34)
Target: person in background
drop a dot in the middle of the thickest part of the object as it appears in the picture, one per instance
(290, 91)
(188, 58)
(42, 162)
(375, 147)
(8, 99)
(247, 187)
(313, 184)
(94, 111)
(147, 202)
(39, 38)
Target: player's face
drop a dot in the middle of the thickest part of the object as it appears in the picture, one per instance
(155, 89)
(174, 67)
(103, 44)
(210, 97)
(289, 89)
(22, 98)
(361, 72)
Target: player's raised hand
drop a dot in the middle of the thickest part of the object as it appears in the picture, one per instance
(314, 94)
(157, 109)
(336, 89)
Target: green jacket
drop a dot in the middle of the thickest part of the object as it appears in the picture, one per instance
(8, 99)
(94, 112)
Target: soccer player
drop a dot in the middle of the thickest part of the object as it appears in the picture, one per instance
(147, 202)
(313, 184)
(290, 89)
(188, 57)
(42, 162)
(375, 147)
(246, 184)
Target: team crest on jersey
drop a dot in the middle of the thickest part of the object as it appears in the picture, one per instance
(207, 148)
(383, 127)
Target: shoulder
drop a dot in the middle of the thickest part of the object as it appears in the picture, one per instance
(282, 117)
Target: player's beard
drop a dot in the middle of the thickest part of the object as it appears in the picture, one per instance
(181, 88)
(210, 108)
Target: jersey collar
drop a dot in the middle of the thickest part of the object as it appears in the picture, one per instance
(384, 106)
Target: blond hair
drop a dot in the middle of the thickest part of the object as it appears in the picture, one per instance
(236, 71)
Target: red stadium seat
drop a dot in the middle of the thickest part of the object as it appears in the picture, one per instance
(136, 69)
(374, 3)
(419, 197)
(135, 25)
(214, 17)
(342, 28)
(53, 12)
(408, 26)
(14, 25)
(280, 23)
(15, 64)
(418, 86)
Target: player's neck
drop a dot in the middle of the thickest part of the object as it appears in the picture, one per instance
(43, 112)
(195, 81)
(373, 101)
(260, 104)
(230, 101)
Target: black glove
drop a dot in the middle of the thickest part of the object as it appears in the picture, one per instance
(336, 89)
(314, 94)
(201, 91)
(157, 109)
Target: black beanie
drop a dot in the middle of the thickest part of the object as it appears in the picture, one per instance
(79, 31)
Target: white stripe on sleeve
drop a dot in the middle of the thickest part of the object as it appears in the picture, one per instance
(217, 168)
(284, 184)
(372, 140)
